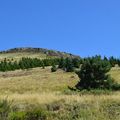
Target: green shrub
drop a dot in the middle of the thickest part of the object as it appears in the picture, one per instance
(5, 108)
(116, 86)
(61, 63)
(54, 68)
(76, 62)
(36, 115)
(93, 74)
(69, 67)
(17, 116)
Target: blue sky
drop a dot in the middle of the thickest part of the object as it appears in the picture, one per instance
(83, 27)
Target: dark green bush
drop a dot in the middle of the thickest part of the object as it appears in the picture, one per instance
(69, 67)
(76, 62)
(61, 63)
(54, 68)
(93, 74)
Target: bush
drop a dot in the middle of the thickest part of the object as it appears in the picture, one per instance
(17, 116)
(61, 63)
(113, 61)
(76, 62)
(54, 68)
(69, 65)
(5, 108)
(93, 74)
(36, 115)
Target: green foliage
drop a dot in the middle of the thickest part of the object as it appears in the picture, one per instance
(26, 63)
(112, 61)
(42, 64)
(76, 62)
(5, 108)
(36, 115)
(93, 74)
(76, 111)
(64, 110)
(17, 116)
(54, 68)
(69, 65)
(61, 63)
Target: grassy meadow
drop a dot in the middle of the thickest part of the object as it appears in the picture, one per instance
(39, 88)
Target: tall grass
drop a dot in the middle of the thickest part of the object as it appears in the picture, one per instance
(38, 92)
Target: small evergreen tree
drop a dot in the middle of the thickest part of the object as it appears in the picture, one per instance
(61, 63)
(113, 61)
(54, 68)
(93, 74)
(76, 62)
(69, 65)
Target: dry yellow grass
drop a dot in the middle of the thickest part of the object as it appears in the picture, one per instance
(44, 98)
(115, 73)
(35, 82)
(41, 86)
(17, 56)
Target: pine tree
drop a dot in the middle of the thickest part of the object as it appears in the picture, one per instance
(76, 62)
(54, 68)
(69, 65)
(93, 74)
(61, 63)
(112, 61)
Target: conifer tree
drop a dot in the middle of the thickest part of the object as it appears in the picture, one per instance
(76, 62)
(61, 63)
(69, 65)
(93, 74)
(54, 68)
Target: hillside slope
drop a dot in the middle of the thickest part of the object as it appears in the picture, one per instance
(17, 53)
(39, 88)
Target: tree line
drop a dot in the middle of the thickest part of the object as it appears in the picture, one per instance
(92, 71)
(67, 64)
(26, 63)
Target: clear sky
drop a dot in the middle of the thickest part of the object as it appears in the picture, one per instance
(83, 27)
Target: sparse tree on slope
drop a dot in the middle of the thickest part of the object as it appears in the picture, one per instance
(93, 74)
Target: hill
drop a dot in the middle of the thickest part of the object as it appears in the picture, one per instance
(34, 53)
(38, 92)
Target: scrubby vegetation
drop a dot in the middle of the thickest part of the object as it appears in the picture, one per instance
(26, 63)
(36, 97)
(93, 74)
(64, 110)
(54, 68)
(66, 64)
(45, 91)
